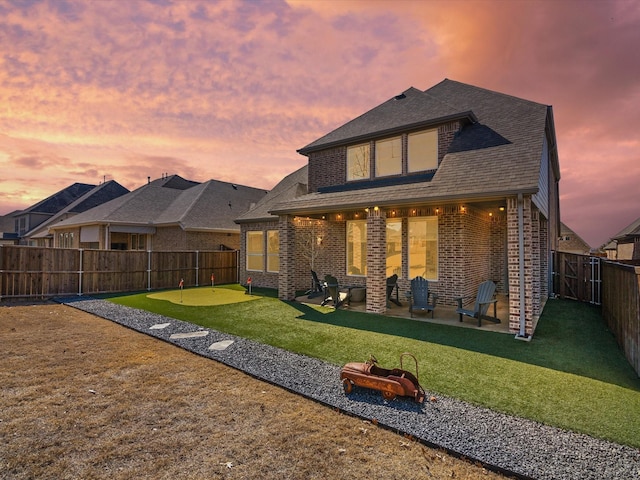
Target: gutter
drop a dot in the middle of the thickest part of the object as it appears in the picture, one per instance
(285, 208)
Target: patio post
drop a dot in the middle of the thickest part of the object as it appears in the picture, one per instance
(376, 261)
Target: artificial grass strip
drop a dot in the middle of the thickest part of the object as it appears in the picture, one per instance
(571, 375)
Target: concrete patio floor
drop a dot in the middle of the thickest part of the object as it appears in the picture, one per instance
(444, 315)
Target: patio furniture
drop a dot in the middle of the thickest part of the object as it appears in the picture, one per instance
(419, 297)
(357, 294)
(484, 298)
(332, 293)
(392, 284)
(316, 286)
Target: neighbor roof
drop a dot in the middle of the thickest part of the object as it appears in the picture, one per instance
(498, 154)
(59, 200)
(172, 200)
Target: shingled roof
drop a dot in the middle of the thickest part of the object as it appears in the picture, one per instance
(498, 151)
(292, 186)
(172, 200)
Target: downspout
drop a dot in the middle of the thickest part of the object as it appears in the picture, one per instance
(522, 333)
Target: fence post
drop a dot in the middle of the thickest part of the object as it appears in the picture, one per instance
(148, 270)
(80, 274)
(197, 267)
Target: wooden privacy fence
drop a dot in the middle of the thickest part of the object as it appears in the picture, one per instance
(47, 272)
(621, 307)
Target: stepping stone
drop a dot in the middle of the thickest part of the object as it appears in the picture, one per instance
(201, 333)
(220, 345)
(159, 326)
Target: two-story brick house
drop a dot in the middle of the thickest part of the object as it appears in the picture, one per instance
(457, 184)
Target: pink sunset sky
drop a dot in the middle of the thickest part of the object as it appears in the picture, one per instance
(230, 90)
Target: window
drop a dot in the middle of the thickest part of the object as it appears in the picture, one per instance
(394, 247)
(138, 241)
(423, 247)
(65, 240)
(389, 157)
(255, 251)
(358, 162)
(422, 151)
(273, 251)
(357, 247)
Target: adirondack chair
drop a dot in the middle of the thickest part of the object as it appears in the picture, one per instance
(316, 286)
(484, 298)
(332, 293)
(420, 295)
(392, 284)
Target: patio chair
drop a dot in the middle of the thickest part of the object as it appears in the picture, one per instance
(484, 298)
(316, 286)
(332, 293)
(392, 284)
(420, 296)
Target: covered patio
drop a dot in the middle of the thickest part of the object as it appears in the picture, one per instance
(443, 314)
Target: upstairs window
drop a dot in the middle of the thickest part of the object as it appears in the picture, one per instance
(389, 157)
(358, 162)
(422, 151)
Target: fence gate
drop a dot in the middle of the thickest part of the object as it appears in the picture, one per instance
(577, 277)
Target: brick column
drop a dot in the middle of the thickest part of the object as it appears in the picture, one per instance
(376, 261)
(513, 262)
(287, 275)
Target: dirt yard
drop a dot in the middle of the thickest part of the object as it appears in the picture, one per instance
(85, 398)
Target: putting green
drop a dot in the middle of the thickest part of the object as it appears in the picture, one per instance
(203, 296)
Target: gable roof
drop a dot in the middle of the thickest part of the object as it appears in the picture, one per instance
(629, 232)
(59, 200)
(173, 200)
(96, 196)
(498, 152)
(290, 187)
(411, 109)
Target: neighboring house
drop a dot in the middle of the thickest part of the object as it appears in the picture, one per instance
(8, 236)
(73, 199)
(570, 242)
(457, 184)
(625, 245)
(40, 236)
(170, 214)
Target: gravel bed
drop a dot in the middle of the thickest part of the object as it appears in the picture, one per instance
(504, 443)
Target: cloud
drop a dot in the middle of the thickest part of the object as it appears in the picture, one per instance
(230, 90)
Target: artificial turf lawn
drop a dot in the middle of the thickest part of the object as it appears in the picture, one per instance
(571, 375)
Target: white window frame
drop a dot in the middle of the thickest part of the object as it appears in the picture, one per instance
(422, 151)
(358, 162)
(423, 264)
(389, 157)
(273, 254)
(351, 252)
(255, 254)
(388, 249)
